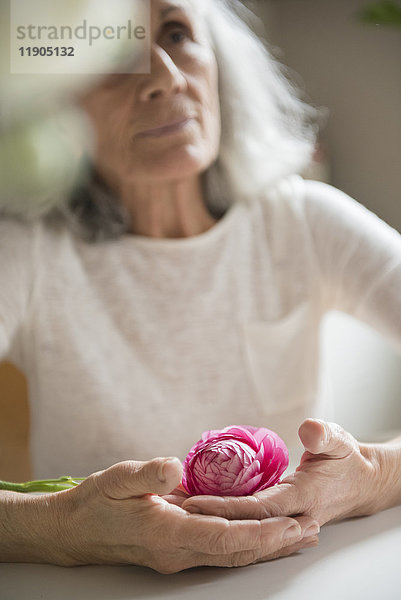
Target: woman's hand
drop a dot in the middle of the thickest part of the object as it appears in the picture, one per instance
(119, 516)
(336, 478)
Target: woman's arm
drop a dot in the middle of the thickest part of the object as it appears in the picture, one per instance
(118, 516)
(387, 457)
(358, 257)
(27, 529)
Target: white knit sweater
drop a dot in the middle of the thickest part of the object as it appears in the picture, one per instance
(133, 347)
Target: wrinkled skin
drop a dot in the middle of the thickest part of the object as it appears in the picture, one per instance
(337, 478)
(126, 515)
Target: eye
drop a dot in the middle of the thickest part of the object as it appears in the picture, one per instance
(177, 32)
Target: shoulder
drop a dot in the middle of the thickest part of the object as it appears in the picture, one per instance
(325, 207)
(313, 195)
(332, 210)
(322, 198)
(296, 210)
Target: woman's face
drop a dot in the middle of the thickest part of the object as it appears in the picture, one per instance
(164, 125)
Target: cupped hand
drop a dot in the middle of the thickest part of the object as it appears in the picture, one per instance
(337, 478)
(127, 514)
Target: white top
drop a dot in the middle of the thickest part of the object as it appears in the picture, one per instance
(133, 347)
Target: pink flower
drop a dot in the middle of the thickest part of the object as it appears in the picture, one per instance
(235, 461)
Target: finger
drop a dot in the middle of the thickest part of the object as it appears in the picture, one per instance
(229, 507)
(130, 478)
(321, 437)
(177, 496)
(180, 491)
(279, 500)
(213, 535)
(306, 542)
(176, 499)
(247, 557)
(183, 560)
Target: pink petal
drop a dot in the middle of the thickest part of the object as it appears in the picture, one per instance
(250, 472)
(236, 464)
(247, 488)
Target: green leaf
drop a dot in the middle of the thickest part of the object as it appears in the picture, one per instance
(386, 12)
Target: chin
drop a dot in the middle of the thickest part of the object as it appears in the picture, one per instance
(175, 165)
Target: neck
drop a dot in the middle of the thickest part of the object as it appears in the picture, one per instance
(167, 210)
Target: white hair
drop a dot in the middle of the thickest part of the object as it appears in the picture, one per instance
(268, 131)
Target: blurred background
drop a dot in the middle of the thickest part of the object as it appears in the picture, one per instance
(352, 68)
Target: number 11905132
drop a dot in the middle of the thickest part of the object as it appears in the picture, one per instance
(46, 51)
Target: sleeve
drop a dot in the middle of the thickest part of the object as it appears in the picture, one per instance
(359, 259)
(16, 277)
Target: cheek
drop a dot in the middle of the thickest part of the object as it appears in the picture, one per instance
(205, 89)
(213, 118)
(113, 134)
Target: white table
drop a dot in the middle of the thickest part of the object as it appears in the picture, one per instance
(358, 559)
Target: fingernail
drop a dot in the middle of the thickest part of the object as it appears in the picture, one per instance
(292, 532)
(160, 472)
(312, 530)
(323, 441)
(162, 469)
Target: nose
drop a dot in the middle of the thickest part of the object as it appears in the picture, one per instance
(165, 77)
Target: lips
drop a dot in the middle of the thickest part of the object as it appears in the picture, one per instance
(166, 129)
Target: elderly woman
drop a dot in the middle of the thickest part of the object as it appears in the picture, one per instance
(181, 288)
